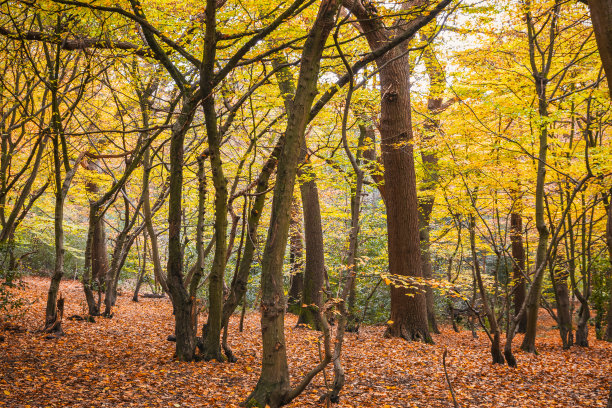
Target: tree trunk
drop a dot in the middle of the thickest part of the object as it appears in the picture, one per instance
(238, 287)
(408, 306)
(296, 259)
(314, 271)
(183, 304)
(273, 387)
(582, 328)
(143, 271)
(498, 357)
(58, 271)
(212, 334)
(601, 17)
(540, 76)
(608, 335)
(518, 264)
(563, 308)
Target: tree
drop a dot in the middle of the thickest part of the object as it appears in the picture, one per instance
(408, 306)
(273, 387)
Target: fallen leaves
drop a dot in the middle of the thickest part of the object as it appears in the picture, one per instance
(127, 361)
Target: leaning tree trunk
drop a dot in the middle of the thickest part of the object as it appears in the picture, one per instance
(273, 387)
(238, 287)
(601, 17)
(496, 354)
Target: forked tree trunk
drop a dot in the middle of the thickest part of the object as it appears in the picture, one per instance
(540, 75)
(273, 387)
(563, 308)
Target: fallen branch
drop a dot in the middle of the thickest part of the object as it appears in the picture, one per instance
(450, 386)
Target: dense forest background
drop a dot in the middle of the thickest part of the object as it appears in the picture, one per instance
(412, 165)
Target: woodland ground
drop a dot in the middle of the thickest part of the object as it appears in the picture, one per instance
(127, 361)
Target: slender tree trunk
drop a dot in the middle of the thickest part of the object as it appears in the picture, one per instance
(540, 78)
(212, 334)
(429, 157)
(608, 335)
(58, 271)
(143, 271)
(498, 357)
(296, 258)
(518, 265)
(112, 275)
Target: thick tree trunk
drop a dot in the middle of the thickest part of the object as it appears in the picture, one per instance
(314, 271)
(408, 306)
(273, 387)
(601, 17)
(563, 309)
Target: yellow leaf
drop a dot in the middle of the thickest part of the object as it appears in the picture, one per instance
(6, 392)
(390, 322)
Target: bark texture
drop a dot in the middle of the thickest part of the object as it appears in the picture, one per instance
(273, 387)
(408, 305)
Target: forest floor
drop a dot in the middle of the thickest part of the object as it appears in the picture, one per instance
(127, 361)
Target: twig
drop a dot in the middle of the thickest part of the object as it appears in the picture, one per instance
(450, 386)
